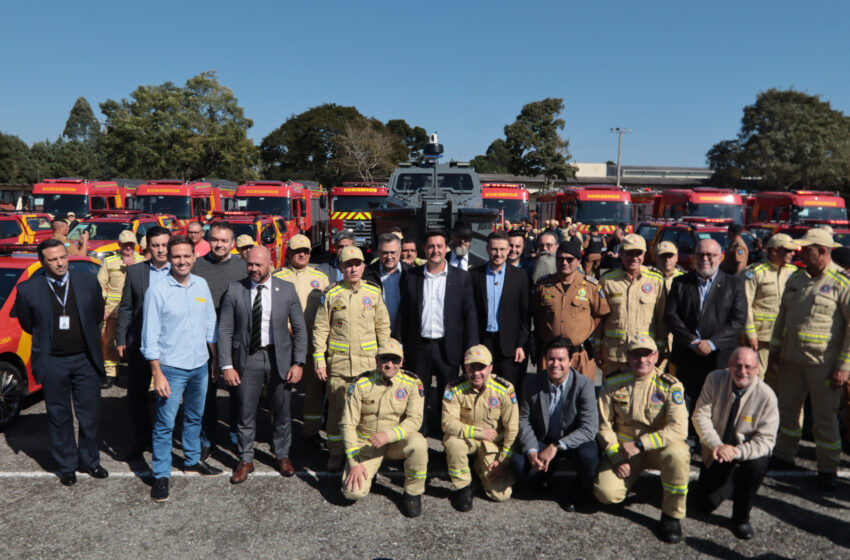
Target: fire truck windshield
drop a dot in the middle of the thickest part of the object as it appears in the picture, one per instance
(357, 203)
(164, 204)
(274, 205)
(515, 210)
(243, 228)
(39, 223)
(413, 182)
(60, 204)
(100, 231)
(843, 238)
(802, 213)
(603, 212)
(733, 211)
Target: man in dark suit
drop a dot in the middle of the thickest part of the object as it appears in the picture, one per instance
(128, 334)
(387, 273)
(255, 349)
(63, 311)
(436, 320)
(501, 300)
(558, 418)
(706, 311)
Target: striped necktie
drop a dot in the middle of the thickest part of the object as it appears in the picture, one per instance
(256, 320)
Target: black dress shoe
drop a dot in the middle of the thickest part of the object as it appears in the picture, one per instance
(671, 529)
(827, 480)
(108, 383)
(569, 507)
(203, 468)
(96, 472)
(206, 451)
(743, 531)
(159, 490)
(463, 498)
(68, 478)
(411, 505)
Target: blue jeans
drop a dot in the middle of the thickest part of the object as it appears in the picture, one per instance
(191, 385)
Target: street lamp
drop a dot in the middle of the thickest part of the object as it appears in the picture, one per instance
(620, 131)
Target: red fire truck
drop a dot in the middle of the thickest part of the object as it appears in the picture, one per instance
(643, 203)
(603, 205)
(705, 204)
(799, 207)
(60, 196)
(351, 208)
(302, 206)
(185, 201)
(511, 199)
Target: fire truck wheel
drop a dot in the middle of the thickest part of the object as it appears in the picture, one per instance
(13, 388)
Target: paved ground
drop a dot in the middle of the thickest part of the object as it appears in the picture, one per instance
(269, 516)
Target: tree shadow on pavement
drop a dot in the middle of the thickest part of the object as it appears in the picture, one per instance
(711, 548)
(836, 529)
(806, 489)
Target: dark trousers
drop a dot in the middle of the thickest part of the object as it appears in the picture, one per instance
(431, 362)
(585, 457)
(692, 374)
(138, 385)
(261, 368)
(209, 423)
(74, 378)
(503, 366)
(739, 480)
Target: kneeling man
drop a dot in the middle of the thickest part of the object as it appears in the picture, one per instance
(480, 416)
(381, 418)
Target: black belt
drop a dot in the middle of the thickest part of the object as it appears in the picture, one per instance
(267, 348)
(423, 339)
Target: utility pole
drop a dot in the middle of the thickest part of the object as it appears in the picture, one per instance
(620, 131)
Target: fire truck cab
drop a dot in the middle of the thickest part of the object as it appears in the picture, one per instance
(186, 201)
(705, 204)
(266, 230)
(351, 209)
(603, 205)
(799, 207)
(60, 196)
(510, 199)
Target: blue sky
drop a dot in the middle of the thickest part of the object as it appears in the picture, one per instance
(678, 73)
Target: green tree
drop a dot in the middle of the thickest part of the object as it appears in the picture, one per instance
(788, 139)
(16, 165)
(81, 124)
(192, 132)
(412, 138)
(535, 146)
(496, 160)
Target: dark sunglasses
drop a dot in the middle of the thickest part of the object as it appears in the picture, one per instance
(300, 251)
(387, 359)
(565, 258)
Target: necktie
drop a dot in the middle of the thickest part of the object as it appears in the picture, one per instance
(555, 416)
(729, 432)
(256, 320)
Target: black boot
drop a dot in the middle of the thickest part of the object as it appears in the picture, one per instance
(463, 498)
(411, 505)
(671, 529)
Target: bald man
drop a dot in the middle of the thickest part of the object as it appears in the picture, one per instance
(736, 418)
(706, 310)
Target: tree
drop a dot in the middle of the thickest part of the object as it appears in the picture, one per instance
(194, 132)
(16, 165)
(366, 149)
(496, 160)
(534, 144)
(81, 124)
(788, 139)
(412, 138)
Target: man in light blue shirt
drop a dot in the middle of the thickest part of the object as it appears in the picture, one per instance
(178, 337)
(387, 271)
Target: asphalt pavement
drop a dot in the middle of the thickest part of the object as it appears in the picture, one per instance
(269, 516)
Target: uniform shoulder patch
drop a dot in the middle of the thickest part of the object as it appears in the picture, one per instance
(591, 279)
(668, 379)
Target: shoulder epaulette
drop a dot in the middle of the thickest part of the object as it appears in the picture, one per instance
(407, 377)
(370, 287)
(502, 381)
(460, 384)
(838, 277)
(282, 273)
(611, 274)
(333, 288)
(496, 386)
(668, 379)
(653, 274)
(366, 378)
(758, 267)
(316, 272)
(591, 279)
(618, 378)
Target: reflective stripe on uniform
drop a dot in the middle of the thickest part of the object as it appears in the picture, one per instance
(416, 474)
(813, 337)
(615, 333)
(675, 488)
(334, 437)
(351, 452)
(764, 316)
(791, 433)
(613, 450)
(338, 346)
(655, 441)
(830, 445)
(469, 432)
(399, 432)
(366, 346)
(623, 437)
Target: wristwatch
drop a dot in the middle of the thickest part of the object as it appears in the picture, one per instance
(301, 364)
(639, 444)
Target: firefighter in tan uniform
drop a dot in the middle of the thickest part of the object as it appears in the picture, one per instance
(643, 423)
(111, 276)
(636, 297)
(382, 415)
(351, 322)
(309, 284)
(569, 305)
(810, 351)
(737, 254)
(764, 283)
(666, 257)
(480, 417)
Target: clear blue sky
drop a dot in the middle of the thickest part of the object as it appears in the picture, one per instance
(678, 73)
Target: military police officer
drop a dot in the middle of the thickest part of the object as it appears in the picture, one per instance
(480, 417)
(111, 277)
(643, 424)
(569, 305)
(636, 297)
(309, 284)
(764, 283)
(382, 416)
(810, 349)
(351, 322)
(737, 254)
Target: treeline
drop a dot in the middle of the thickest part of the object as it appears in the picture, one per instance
(788, 139)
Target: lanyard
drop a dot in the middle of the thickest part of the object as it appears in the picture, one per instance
(64, 300)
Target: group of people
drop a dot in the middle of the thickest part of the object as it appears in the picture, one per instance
(378, 348)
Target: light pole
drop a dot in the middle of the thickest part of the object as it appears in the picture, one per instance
(620, 131)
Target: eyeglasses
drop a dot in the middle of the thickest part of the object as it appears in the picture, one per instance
(565, 258)
(389, 359)
(301, 252)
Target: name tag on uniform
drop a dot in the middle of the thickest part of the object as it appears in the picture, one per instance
(201, 300)
(64, 322)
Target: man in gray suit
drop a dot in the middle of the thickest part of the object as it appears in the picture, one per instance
(255, 348)
(558, 418)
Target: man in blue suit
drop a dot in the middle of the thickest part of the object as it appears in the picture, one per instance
(62, 311)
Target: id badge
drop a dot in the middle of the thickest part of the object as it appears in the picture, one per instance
(64, 322)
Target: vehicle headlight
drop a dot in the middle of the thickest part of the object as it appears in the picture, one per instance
(100, 255)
